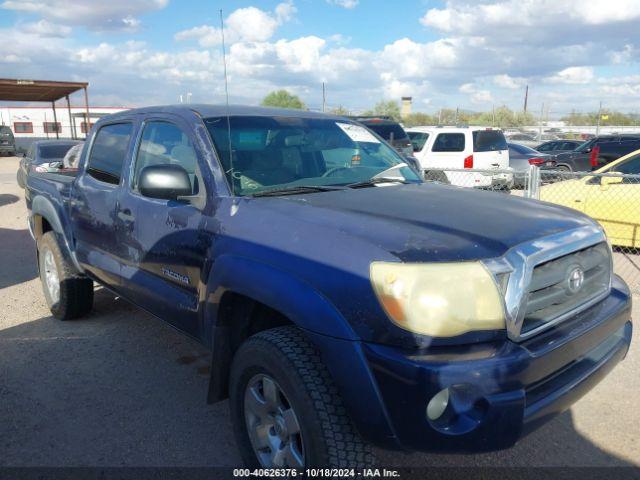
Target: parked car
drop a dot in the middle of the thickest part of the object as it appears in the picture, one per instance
(614, 201)
(463, 148)
(522, 157)
(43, 156)
(523, 139)
(598, 152)
(390, 131)
(345, 301)
(557, 146)
(7, 141)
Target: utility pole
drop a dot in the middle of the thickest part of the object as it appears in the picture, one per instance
(493, 114)
(526, 98)
(440, 117)
(324, 97)
(598, 121)
(456, 120)
(540, 122)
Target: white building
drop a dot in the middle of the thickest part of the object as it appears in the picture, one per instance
(38, 121)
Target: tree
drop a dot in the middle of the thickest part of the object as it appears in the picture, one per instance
(340, 110)
(388, 108)
(283, 99)
(419, 118)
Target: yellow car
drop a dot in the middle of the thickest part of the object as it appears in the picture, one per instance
(613, 201)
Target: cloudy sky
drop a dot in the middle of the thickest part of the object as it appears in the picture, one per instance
(471, 54)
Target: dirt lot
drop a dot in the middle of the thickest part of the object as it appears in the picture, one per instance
(121, 388)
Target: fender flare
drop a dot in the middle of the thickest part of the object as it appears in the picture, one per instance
(278, 289)
(43, 207)
(324, 325)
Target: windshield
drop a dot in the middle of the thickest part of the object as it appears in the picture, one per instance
(284, 152)
(585, 145)
(385, 130)
(53, 151)
(488, 141)
(418, 139)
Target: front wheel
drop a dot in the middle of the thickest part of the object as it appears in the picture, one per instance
(286, 410)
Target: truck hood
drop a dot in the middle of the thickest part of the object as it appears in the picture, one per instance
(428, 222)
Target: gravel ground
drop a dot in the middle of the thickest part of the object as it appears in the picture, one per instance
(122, 388)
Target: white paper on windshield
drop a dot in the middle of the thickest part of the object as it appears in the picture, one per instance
(357, 133)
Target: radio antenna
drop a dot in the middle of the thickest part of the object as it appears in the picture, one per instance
(226, 93)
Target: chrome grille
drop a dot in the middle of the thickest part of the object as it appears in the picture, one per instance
(552, 290)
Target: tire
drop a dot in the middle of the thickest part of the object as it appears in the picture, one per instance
(20, 179)
(563, 168)
(436, 176)
(74, 295)
(326, 438)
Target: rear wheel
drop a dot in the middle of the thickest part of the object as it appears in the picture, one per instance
(68, 294)
(20, 178)
(286, 410)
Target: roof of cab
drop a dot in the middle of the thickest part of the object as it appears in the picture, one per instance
(222, 110)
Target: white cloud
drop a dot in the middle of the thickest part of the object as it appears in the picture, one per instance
(44, 28)
(99, 15)
(466, 17)
(506, 81)
(573, 76)
(348, 4)
(249, 24)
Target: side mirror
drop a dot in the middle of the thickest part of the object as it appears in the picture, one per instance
(614, 180)
(587, 150)
(57, 165)
(167, 182)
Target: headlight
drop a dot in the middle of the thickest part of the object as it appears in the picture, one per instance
(439, 299)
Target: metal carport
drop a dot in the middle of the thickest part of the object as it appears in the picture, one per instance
(22, 90)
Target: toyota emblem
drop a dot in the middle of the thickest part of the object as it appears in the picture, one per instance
(575, 280)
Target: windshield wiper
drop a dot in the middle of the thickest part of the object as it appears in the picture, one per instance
(297, 189)
(376, 180)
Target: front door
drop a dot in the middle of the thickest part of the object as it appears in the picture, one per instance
(163, 271)
(616, 206)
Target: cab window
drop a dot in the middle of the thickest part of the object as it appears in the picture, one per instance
(109, 151)
(164, 143)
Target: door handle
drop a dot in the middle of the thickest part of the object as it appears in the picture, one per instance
(125, 215)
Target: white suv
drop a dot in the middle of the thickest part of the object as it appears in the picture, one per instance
(477, 148)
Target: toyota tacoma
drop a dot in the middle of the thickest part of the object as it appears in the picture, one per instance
(346, 302)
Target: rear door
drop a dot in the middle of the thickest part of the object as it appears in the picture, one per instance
(490, 150)
(94, 199)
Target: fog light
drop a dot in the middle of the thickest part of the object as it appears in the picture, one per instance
(438, 404)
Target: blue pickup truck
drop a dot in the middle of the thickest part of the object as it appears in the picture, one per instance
(346, 302)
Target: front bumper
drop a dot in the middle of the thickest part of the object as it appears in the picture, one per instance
(500, 392)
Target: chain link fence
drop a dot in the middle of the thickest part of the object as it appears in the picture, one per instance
(612, 199)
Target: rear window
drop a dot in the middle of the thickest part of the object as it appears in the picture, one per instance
(449, 142)
(47, 152)
(109, 151)
(386, 129)
(418, 139)
(488, 141)
(5, 130)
